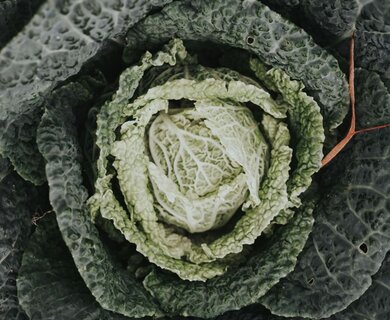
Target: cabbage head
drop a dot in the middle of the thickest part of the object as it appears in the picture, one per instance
(163, 160)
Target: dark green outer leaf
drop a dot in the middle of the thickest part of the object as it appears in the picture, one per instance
(334, 270)
(375, 303)
(252, 26)
(373, 39)
(112, 287)
(57, 42)
(49, 286)
(335, 18)
(372, 100)
(18, 134)
(15, 223)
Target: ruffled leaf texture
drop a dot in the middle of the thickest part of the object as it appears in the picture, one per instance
(276, 191)
(239, 287)
(57, 139)
(353, 216)
(49, 286)
(53, 277)
(335, 20)
(56, 43)
(372, 100)
(45, 53)
(102, 276)
(226, 23)
(352, 213)
(350, 237)
(16, 203)
(372, 305)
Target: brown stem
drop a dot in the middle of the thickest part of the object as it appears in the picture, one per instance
(340, 146)
(372, 128)
(352, 129)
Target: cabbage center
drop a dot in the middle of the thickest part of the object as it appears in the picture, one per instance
(202, 161)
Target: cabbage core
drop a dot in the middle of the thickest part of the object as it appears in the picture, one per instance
(201, 169)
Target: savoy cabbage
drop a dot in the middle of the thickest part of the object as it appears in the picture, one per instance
(165, 159)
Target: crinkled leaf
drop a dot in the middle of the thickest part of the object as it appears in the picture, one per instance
(373, 39)
(49, 285)
(272, 195)
(16, 203)
(243, 141)
(332, 20)
(196, 215)
(131, 164)
(238, 287)
(205, 159)
(372, 100)
(182, 134)
(374, 304)
(112, 210)
(112, 287)
(350, 236)
(110, 117)
(252, 26)
(210, 89)
(165, 246)
(112, 114)
(306, 127)
(60, 38)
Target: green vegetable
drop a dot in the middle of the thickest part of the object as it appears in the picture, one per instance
(162, 160)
